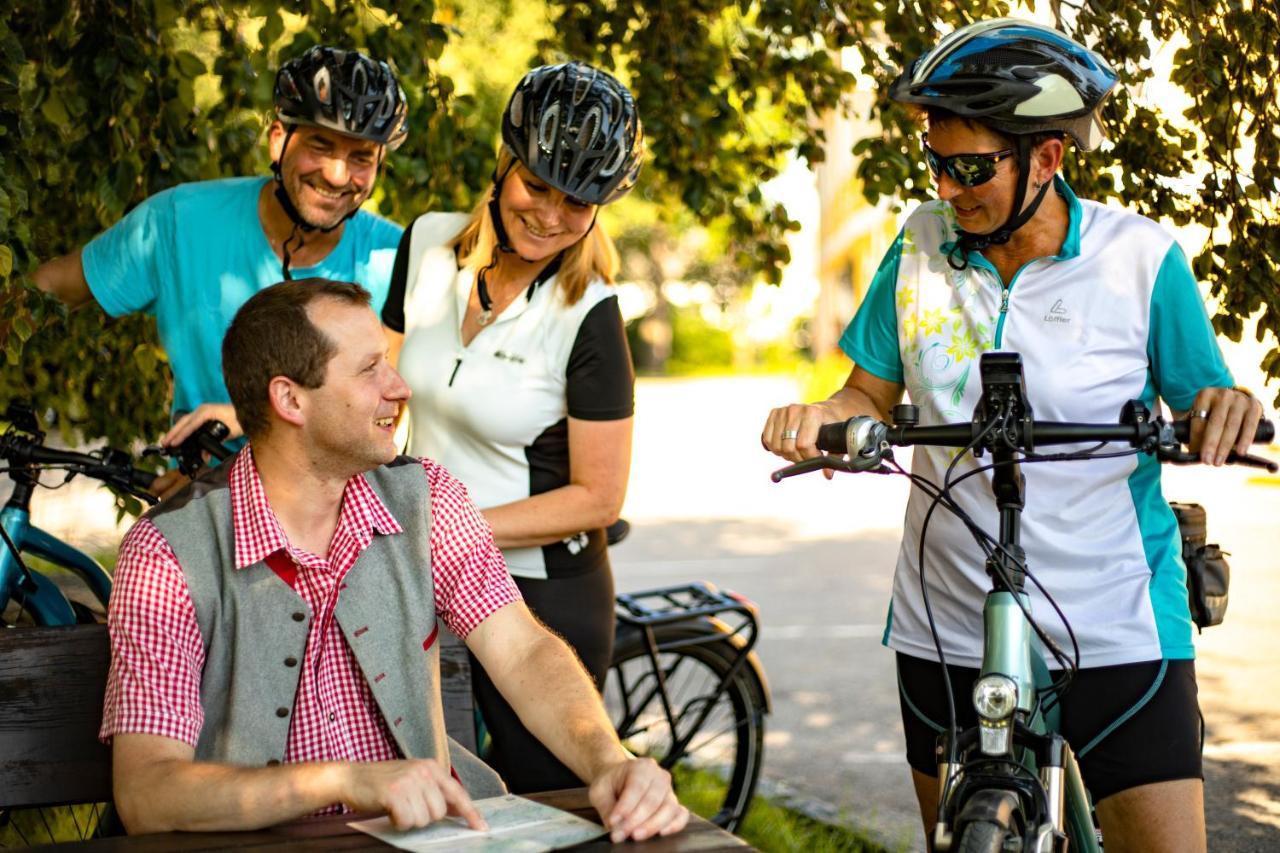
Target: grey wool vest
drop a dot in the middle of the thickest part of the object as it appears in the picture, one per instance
(254, 628)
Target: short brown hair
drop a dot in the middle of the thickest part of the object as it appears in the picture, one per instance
(271, 335)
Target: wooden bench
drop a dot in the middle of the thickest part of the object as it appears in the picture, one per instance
(52, 682)
(51, 686)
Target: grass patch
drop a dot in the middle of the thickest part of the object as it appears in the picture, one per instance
(38, 826)
(769, 827)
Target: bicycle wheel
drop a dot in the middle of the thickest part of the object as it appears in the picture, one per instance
(727, 750)
(982, 837)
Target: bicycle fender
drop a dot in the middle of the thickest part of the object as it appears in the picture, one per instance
(991, 805)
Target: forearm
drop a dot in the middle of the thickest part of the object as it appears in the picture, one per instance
(569, 718)
(198, 796)
(552, 516)
(64, 278)
(850, 402)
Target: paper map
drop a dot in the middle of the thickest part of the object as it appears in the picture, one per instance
(515, 824)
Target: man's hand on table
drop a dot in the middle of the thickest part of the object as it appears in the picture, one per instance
(413, 793)
(635, 800)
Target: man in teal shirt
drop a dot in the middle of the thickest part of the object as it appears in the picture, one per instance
(193, 254)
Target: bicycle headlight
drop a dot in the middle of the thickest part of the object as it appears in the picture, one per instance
(995, 697)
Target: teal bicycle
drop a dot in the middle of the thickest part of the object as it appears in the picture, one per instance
(1011, 782)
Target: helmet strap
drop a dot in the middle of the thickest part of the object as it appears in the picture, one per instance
(287, 252)
(966, 242)
(495, 210)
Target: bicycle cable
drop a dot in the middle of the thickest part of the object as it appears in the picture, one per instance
(924, 592)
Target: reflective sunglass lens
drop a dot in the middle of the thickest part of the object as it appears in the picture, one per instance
(971, 171)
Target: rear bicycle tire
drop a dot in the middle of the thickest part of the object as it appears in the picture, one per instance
(730, 742)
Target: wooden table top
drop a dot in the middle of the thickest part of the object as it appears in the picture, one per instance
(332, 833)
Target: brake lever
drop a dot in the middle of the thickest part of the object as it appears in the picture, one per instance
(1182, 457)
(856, 464)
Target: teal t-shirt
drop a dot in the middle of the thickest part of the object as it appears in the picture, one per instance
(193, 254)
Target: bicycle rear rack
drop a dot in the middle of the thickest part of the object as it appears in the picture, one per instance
(687, 602)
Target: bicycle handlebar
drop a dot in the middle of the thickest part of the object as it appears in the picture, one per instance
(866, 440)
(110, 466)
(834, 438)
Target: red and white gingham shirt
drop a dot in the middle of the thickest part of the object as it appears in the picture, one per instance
(157, 654)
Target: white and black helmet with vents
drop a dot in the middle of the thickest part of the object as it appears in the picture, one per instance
(576, 127)
(345, 91)
(1016, 76)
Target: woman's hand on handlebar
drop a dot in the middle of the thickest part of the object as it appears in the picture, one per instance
(1222, 420)
(863, 393)
(191, 421)
(792, 431)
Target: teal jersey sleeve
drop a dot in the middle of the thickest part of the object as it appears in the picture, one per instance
(1181, 345)
(125, 264)
(871, 339)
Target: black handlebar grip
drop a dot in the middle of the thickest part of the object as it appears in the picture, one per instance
(1265, 434)
(210, 437)
(833, 438)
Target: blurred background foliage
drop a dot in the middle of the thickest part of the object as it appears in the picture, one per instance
(104, 103)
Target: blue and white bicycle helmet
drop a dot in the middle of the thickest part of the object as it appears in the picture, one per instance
(1016, 76)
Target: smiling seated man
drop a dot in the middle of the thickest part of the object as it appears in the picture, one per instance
(274, 625)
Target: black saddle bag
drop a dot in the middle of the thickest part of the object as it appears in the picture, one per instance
(1208, 574)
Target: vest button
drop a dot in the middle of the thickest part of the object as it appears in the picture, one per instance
(290, 661)
(273, 762)
(299, 616)
(282, 712)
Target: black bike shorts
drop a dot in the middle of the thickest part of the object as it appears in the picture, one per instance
(1159, 743)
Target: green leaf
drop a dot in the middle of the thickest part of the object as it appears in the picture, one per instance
(22, 327)
(55, 110)
(189, 64)
(6, 261)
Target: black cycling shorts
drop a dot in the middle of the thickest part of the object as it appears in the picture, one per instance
(1159, 743)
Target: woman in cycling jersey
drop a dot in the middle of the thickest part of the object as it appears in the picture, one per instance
(513, 346)
(1103, 307)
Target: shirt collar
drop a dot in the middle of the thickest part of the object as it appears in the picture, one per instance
(258, 533)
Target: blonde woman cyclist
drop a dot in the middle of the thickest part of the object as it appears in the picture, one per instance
(510, 337)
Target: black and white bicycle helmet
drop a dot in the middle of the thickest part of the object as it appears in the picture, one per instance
(576, 127)
(343, 90)
(1019, 78)
(340, 90)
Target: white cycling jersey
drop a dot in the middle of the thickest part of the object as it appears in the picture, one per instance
(495, 411)
(1115, 316)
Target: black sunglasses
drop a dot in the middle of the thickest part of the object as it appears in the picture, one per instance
(967, 170)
